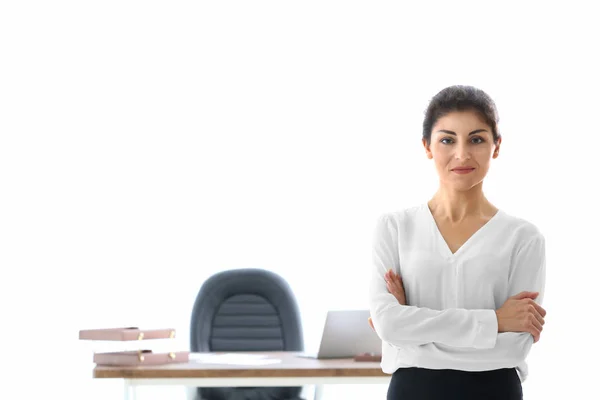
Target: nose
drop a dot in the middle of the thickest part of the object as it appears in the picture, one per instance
(462, 153)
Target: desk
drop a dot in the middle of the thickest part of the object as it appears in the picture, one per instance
(292, 371)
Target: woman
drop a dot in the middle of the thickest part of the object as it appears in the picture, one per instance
(457, 283)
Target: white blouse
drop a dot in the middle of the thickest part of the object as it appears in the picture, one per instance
(449, 321)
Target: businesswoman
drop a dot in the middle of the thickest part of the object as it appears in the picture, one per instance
(457, 283)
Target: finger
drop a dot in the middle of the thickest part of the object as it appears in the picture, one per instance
(538, 308)
(398, 293)
(392, 278)
(536, 333)
(391, 288)
(388, 275)
(533, 310)
(525, 294)
(398, 278)
(394, 293)
(537, 324)
(395, 286)
(539, 317)
(533, 329)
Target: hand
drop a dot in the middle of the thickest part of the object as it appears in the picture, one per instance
(395, 286)
(521, 314)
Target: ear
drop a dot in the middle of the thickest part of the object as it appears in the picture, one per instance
(427, 149)
(497, 148)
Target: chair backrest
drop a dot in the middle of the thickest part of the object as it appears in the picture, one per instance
(246, 310)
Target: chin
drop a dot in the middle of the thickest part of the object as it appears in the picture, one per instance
(461, 186)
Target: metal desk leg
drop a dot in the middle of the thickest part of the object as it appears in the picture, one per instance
(130, 391)
(318, 392)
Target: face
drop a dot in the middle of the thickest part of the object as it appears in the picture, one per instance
(461, 140)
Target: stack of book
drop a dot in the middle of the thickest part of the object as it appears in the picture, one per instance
(133, 357)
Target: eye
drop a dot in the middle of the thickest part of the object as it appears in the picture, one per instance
(480, 139)
(446, 138)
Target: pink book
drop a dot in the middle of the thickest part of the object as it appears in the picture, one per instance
(142, 357)
(129, 333)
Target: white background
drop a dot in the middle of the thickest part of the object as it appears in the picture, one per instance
(147, 145)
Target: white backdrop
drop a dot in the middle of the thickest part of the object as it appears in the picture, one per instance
(147, 145)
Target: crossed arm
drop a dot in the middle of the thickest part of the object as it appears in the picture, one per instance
(451, 338)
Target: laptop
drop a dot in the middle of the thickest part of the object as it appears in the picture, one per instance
(346, 334)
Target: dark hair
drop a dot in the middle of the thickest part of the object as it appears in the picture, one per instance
(460, 98)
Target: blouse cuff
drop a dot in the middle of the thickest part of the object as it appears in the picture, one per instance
(487, 329)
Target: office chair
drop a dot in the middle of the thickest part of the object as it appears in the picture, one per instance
(246, 310)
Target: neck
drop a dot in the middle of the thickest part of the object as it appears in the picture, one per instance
(456, 206)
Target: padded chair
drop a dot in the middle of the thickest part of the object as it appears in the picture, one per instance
(246, 310)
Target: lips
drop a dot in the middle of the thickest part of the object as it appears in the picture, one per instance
(463, 170)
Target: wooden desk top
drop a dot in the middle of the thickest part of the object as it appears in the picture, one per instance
(290, 366)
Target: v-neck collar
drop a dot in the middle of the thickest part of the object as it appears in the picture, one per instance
(446, 252)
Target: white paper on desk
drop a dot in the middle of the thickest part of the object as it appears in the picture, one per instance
(233, 359)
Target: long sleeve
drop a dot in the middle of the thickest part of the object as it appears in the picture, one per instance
(528, 273)
(400, 325)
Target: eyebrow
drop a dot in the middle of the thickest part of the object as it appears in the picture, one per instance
(454, 133)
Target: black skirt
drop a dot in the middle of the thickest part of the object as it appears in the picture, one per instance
(450, 384)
